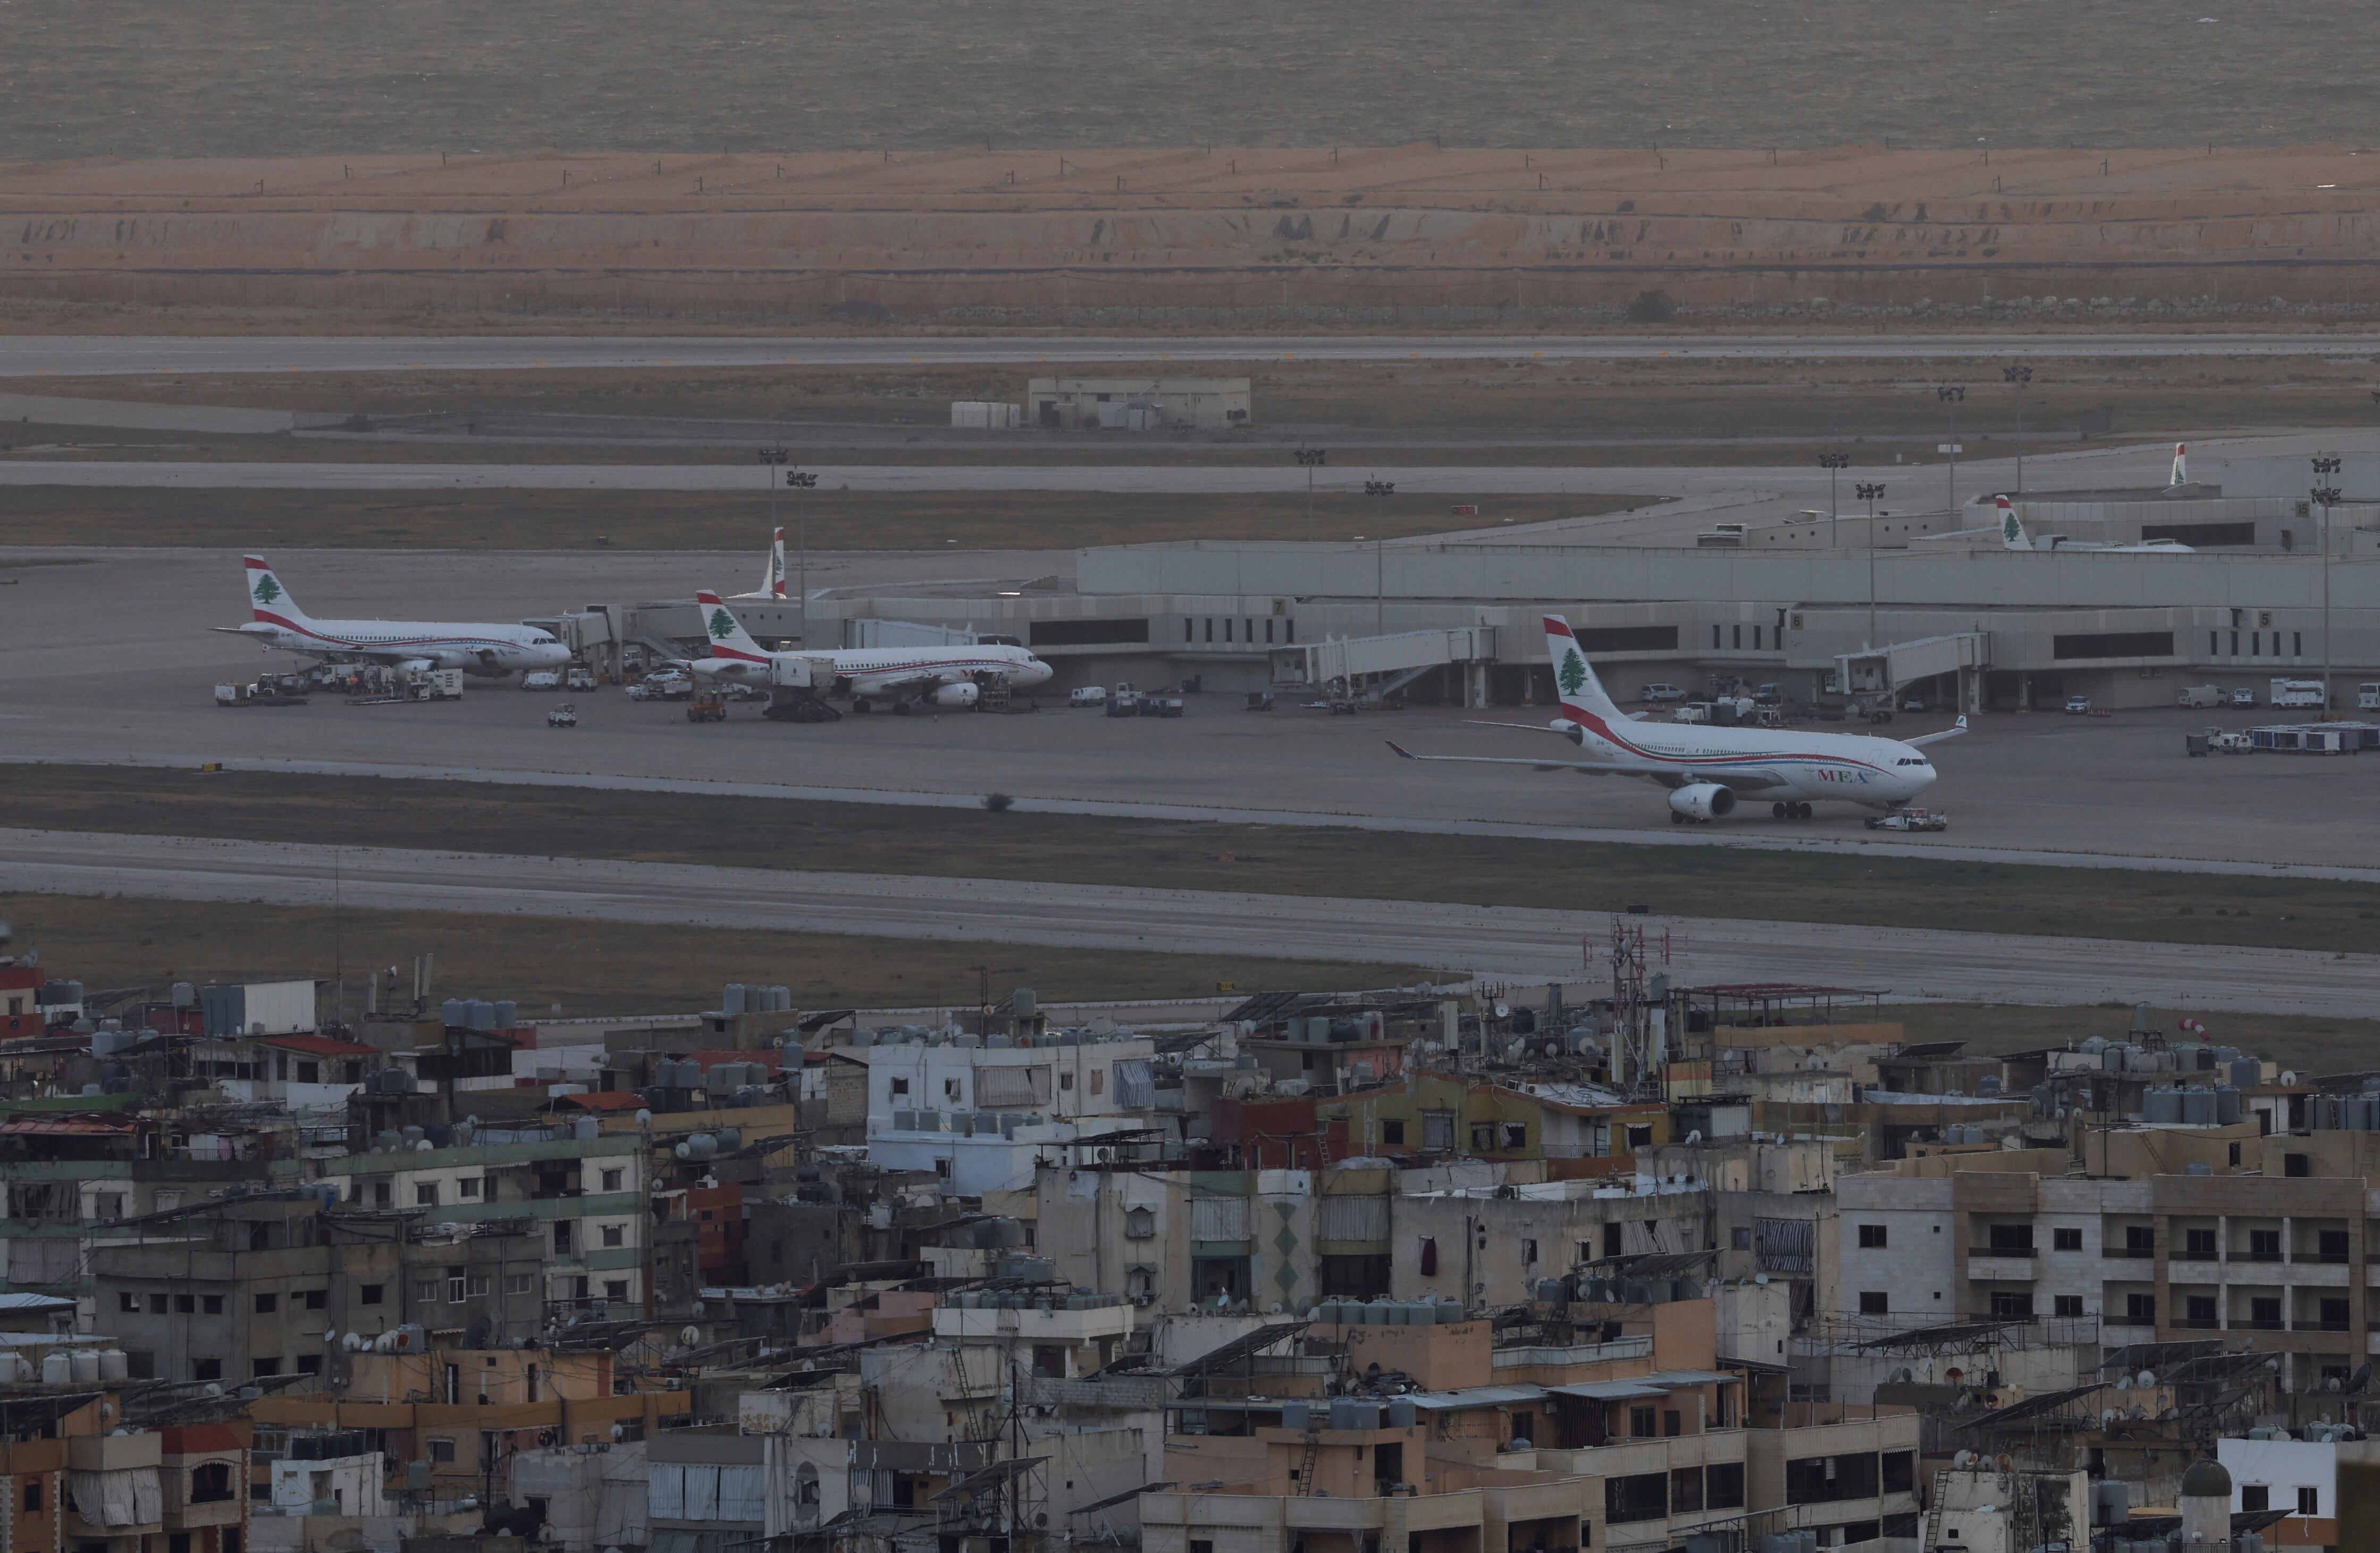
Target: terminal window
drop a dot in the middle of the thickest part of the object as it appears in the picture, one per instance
(1085, 633)
(2113, 644)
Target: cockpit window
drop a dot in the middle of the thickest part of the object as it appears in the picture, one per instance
(1910, 760)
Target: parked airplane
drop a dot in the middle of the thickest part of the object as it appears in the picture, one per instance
(487, 650)
(2013, 536)
(773, 586)
(899, 677)
(1709, 770)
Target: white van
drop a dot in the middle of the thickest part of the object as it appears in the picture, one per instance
(2367, 697)
(543, 679)
(1088, 695)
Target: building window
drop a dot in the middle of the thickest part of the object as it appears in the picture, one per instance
(1723, 1485)
(185, 1305)
(1872, 1237)
(1714, 639)
(2069, 1305)
(900, 1088)
(476, 1286)
(211, 1483)
(262, 1368)
(267, 1303)
(318, 1299)
(2198, 1245)
(2066, 1240)
(616, 1288)
(2140, 1310)
(370, 1293)
(2255, 1497)
(33, 1496)
(1739, 1238)
(611, 1179)
(1483, 1137)
(310, 1364)
(129, 1304)
(206, 1370)
(441, 1451)
(158, 1304)
(426, 1290)
(2296, 1165)
(2309, 1501)
(211, 1304)
(1516, 1134)
(1640, 1423)
(2297, 644)
(517, 1284)
(1528, 1253)
(2139, 1241)
(1393, 1129)
(614, 1234)
(562, 1237)
(467, 1187)
(1875, 1302)
(425, 1195)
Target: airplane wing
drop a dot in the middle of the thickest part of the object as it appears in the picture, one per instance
(1950, 733)
(1667, 776)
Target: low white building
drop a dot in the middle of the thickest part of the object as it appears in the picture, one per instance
(979, 1114)
(301, 1073)
(329, 1475)
(2300, 1476)
(1139, 404)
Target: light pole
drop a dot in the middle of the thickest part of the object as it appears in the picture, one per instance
(1951, 393)
(805, 482)
(2020, 376)
(1312, 458)
(1871, 494)
(2327, 495)
(1834, 464)
(1380, 491)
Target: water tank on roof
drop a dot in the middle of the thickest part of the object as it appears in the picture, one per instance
(730, 1139)
(113, 1365)
(57, 1368)
(2164, 1105)
(1403, 1415)
(2247, 1072)
(439, 1134)
(455, 1011)
(2226, 1104)
(1296, 1413)
(185, 995)
(584, 1130)
(507, 1014)
(2198, 1105)
(84, 1365)
(732, 1000)
(483, 1014)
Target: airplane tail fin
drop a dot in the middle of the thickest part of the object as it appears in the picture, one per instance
(1581, 693)
(2011, 532)
(267, 599)
(728, 638)
(2180, 465)
(775, 587)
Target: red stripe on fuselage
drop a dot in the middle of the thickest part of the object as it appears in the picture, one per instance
(1602, 729)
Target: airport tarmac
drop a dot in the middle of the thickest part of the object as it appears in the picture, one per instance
(1498, 942)
(108, 659)
(85, 354)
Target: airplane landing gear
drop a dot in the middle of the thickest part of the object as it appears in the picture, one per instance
(1789, 811)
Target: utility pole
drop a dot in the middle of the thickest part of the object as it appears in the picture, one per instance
(1834, 464)
(1871, 494)
(2327, 495)
(1951, 393)
(1312, 458)
(1380, 491)
(2021, 376)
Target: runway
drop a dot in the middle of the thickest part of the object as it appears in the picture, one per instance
(1526, 945)
(80, 355)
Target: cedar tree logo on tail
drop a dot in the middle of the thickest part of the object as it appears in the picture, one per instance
(267, 590)
(723, 624)
(1573, 672)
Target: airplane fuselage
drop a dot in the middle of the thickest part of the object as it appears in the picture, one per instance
(1850, 768)
(475, 648)
(877, 673)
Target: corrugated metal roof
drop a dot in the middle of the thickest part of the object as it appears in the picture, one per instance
(317, 1046)
(78, 1127)
(1475, 1396)
(1611, 1391)
(34, 1301)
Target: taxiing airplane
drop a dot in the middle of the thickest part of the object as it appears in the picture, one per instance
(2180, 465)
(2013, 536)
(489, 651)
(773, 587)
(1710, 771)
(899, 677)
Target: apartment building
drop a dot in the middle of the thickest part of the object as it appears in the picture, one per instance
(579, 1196)
(977, 1111)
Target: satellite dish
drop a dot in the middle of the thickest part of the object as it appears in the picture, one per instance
(331, 1337)
(690, 1336)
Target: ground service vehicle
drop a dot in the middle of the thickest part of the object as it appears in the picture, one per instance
(544, 679)
(2297, 693)
(2078, 706)
(707, 707)
(2244, 697)
(580, 677)
(563, 716)
(2200, 695)
(1654, 693)
(1909, 819)
(1088, 696)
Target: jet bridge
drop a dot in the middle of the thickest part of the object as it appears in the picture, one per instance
(1883, 671)
(1368, 670)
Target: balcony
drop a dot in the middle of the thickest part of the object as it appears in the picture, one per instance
(2198, 1324)
(2138, 1252)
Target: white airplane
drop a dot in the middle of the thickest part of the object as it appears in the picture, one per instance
(1709, 772)
(774, 585)
(489, 651)
(899, 677)
(2013, 536)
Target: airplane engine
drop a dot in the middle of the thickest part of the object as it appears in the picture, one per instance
(960, 694)
(1702, 800)
(1569, 730)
